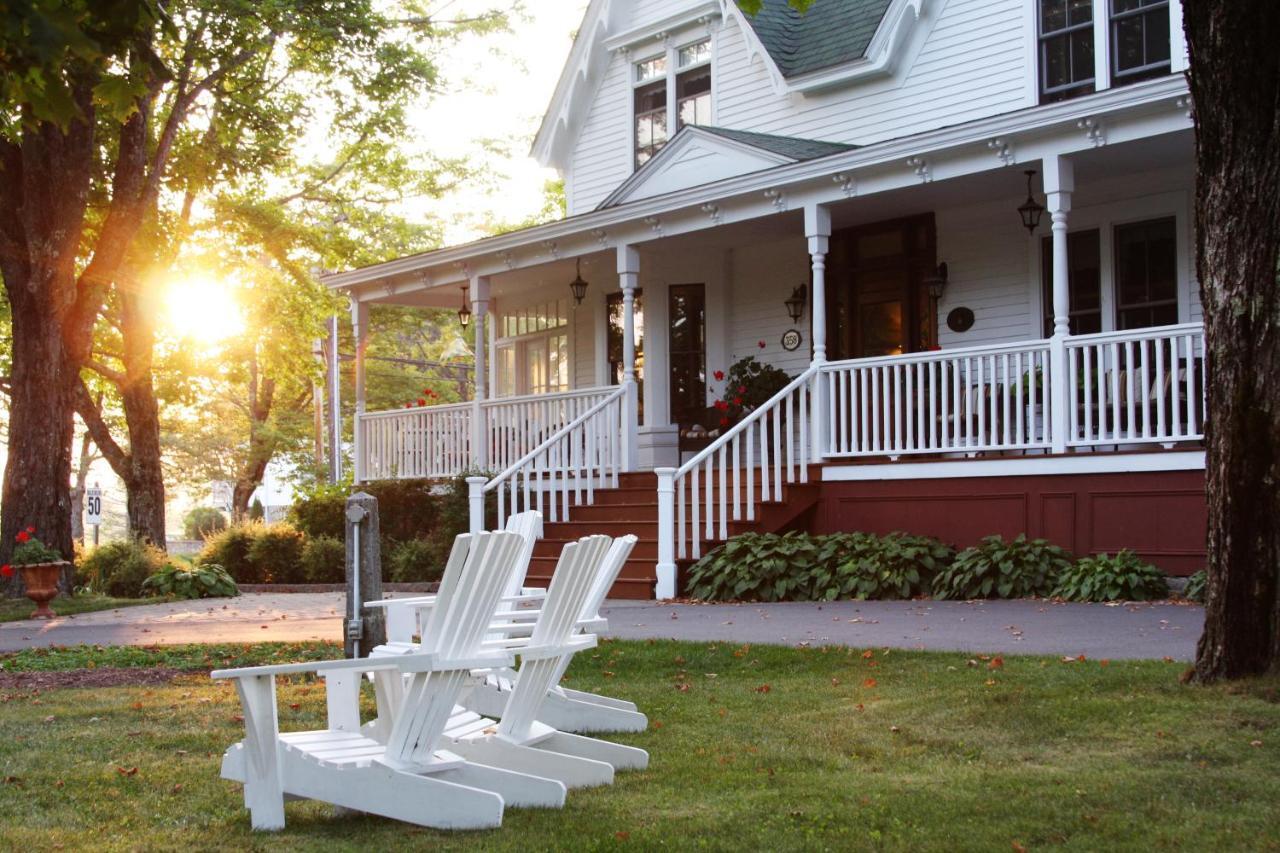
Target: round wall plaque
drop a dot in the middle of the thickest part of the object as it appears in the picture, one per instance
(960, 319)
(791, 340)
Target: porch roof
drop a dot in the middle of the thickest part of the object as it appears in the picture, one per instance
(1126, 113)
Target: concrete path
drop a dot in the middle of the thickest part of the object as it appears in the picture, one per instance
(1007, 627)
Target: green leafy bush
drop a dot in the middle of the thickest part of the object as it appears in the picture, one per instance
(415, 561)
(257, 512)
(324, 560)
(230, 549)
(202, 522)
(995, 568)
(119, 569)
(276, 553)
(319, 510)
(799, 567)
(1194, 590)
(185, 581)
(1123, 577)
(885, 568)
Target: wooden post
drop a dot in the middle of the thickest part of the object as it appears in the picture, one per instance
(1059, 182)
(479, 314)
(629, 279)
(363, 628)
(475, 502)
(666, 588)
(817, 229)
(360, 325)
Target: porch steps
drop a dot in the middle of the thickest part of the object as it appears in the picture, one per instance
(632, 507)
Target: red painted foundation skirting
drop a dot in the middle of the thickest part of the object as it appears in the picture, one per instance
(1159, 515)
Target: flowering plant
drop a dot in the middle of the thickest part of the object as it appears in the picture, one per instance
(29, 551)
(428, 395)
(747, 385)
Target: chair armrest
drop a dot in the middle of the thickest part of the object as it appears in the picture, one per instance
(575, 644)
(358, 664)
(418, 601)
(405, 663)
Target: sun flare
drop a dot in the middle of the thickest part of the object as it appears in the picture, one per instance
(204, 309)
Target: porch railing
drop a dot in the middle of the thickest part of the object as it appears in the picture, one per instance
(513, 426)
(433, 441)
(564, 470)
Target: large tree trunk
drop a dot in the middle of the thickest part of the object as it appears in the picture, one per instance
(262, 445)
(142, 415)
(1235, 82)
(83, 465)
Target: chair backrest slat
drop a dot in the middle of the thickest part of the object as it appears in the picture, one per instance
(606, 574)
(569, 588)
(529, 525)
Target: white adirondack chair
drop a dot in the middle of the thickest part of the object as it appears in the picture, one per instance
(520, 742)
(405, 616)
(565, 709)
(404, 771)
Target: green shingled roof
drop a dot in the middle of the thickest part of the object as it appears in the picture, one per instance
(832, 32)
(786, 146)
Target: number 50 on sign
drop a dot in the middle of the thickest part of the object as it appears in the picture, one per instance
(93, 506)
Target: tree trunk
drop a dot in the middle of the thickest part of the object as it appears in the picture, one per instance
(1235, 83)
(145, 482)
(262, 445)
(85, 462)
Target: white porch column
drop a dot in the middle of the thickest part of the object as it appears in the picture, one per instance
(479, 312)
(629, 280)
(1059, 183)
(817, 229)
(335, 407)
(360, 328)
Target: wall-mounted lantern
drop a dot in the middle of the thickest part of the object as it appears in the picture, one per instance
(937, 283)
(796, 302)
(1031, 210)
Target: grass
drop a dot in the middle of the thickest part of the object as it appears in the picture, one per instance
(751, 748)
(15, 609)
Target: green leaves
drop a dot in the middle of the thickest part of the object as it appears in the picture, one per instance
(753, 7)
(188, 582)
(998, 569)
(1195, 588)
(1123, 577)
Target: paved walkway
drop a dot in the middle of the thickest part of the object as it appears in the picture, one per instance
(1008, 627)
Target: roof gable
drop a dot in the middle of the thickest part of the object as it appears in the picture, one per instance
(703, 155)
(830, 33)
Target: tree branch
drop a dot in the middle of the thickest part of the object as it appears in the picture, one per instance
(91, 414)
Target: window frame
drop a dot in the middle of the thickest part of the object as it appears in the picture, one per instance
(674, 71)
(1143, 72)
(1149, 305)
(509, 337)
(1046, 95)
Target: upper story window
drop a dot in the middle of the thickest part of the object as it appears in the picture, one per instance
(1066, 49)
(670, 91)
(1139, 40)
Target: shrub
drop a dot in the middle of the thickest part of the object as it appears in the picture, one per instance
(257, 512)
(886, 568)
(406, 508)
(230, 549)
(320, 509)
(415, 560)
(203, 521)
(799, 567)
(119, 569)
(185, 581)
(1194, 590)
(1123, 577)
(324, 560)
(995, 568)
(276, 553)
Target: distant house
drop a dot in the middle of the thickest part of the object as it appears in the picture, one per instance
(841, 195)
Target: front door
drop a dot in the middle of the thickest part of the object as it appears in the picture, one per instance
(878, 299)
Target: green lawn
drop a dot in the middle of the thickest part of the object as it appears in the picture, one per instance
(751, 749)
(14, 609)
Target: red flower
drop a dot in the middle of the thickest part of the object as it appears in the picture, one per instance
(721, 405)
(742, 389)
(6, 570)
(724, 422)
(24, 536)
(737, 401)
(719, 375)
(421, 402)
(760, 344)
(31, 529)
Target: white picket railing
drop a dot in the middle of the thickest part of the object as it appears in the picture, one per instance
(771, 446)
(1139, 386)
(513, 426)
(562, 471)
(427, 442)
(955, 401)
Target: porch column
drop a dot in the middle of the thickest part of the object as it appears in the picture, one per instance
(1059, 183)
(335, 408)
(817, 229)
(629, 280)
(479, 313)
(360, 328)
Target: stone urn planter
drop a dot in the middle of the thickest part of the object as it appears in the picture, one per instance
(41, 581)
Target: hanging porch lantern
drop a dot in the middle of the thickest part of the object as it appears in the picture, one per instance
(937, 283)
(464, 313)
(578, 286)
(1031, 210)
(795, 303)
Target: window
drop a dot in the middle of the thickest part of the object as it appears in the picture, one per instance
(616, 327)
(671, 91)
(1146, 274)
(1084, 282)
(1139, 40)
(1066, 49)
(532, 353)
(687, 310)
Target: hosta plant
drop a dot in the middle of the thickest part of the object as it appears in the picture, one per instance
(1123, 577)
(184, 581)
(995, 568)
(897, 566)
(759, 567)
(1194, 590)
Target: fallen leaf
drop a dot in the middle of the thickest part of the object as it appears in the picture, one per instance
(49, 719)
(59, 784)
(129, 771)
(293, 706)
(894, 729)
(622, 835)
(991, 682)
(1018, 848)
(237, 718)
(868, 654)
(177, 788)
(835, 682)
(858, 707)
(870, 682)
(1255, 743)
(683, 687)
(763, 688)
(996, 663)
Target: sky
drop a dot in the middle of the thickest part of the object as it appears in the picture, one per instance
(497, 88)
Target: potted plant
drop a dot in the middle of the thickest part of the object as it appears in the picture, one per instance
(41, 566)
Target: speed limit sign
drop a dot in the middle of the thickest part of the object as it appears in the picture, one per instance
(93, 506)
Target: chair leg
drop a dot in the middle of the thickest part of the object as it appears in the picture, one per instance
(597, 699)
(619, 756)
(571, 713)
(573, 771)
(517, 789)
(263, 790)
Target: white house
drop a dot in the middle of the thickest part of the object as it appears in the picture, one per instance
(845, 195)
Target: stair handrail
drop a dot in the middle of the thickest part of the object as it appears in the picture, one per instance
(671, 478)
(478, 487)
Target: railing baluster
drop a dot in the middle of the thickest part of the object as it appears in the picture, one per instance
(724, 495)
(737, 478)
(695, 499)
(750, 434)
(777, 453)
(1161, 430)
(1146, 388)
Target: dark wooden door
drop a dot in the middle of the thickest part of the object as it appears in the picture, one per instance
(877, 299)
